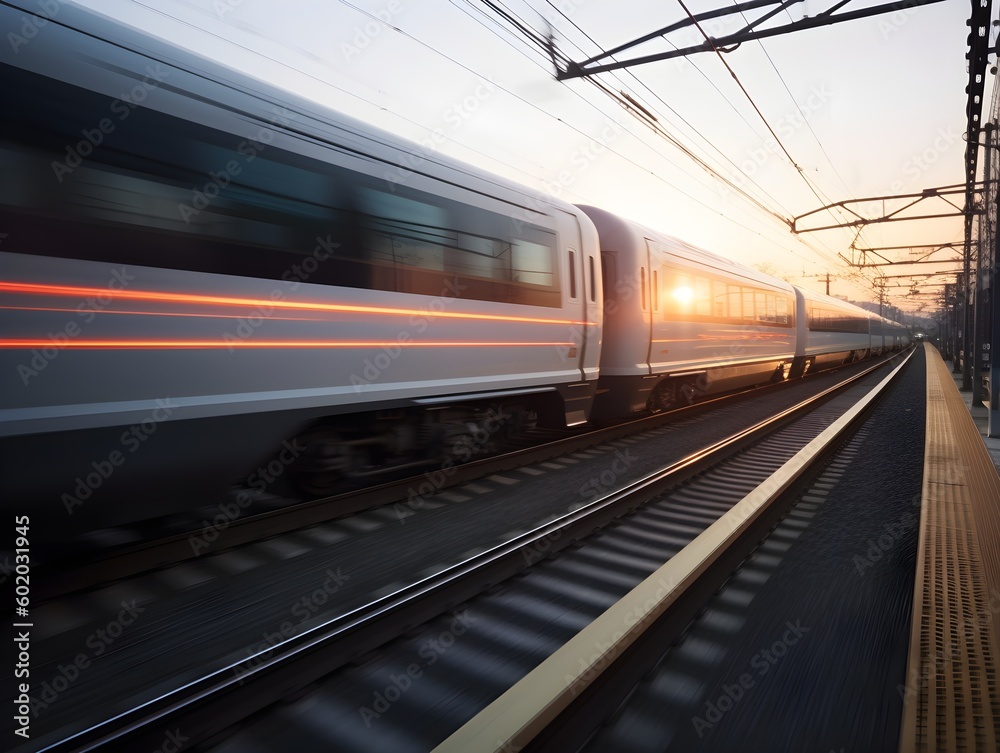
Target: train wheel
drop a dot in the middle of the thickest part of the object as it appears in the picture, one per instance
(670, 395)
(780, 373)
(324, 463)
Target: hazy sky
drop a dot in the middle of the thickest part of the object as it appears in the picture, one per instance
(865, 108)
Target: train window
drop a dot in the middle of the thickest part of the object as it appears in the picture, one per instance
(760, 305)
(572, 274)
(642, 286)
(697, 297)
(531, 262)
(678, 294)
(593, 280)
(702, 296)
(719, 299)
(830, 320)
(656, 290)
(413, 236)
(161, 202)
(735, 307)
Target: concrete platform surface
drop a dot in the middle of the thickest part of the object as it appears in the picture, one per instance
(979, 415)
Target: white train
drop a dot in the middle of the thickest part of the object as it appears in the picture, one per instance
(206, 281)
(681, 323)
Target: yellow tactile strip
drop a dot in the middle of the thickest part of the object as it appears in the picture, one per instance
(951, 700)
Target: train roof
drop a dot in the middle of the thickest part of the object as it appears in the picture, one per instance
(682, 249)
(829, 300)
(105, 44)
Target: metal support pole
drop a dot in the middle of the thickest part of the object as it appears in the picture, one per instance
(993, 422)
(968, 358)
(979, 312)
(993, 415)
(956, 325)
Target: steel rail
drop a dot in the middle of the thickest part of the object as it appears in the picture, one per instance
(205, 707)
(61, 577)
(535, 703)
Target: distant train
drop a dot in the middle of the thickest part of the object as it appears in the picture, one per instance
(680, 322)
(206, 281)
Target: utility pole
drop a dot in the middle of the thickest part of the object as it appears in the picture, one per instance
(967, 309)
(993, 315)
(823, 278)
(958, 327)
(980, 312)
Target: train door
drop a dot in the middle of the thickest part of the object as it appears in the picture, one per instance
(585, 296)
(649, 295)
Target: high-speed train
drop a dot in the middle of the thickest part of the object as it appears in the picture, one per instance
(205, 281)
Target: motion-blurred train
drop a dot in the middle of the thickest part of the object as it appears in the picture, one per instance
(206, 281)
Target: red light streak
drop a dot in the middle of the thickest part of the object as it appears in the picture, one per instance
(213, 300)
(89, 311)
(251, 343)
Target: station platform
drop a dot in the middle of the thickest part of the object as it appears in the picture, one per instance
(951, 698)
(979, 416)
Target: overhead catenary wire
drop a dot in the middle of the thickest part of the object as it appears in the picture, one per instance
(542, 44)
(541, 110)
(802, 241)
(815, 191)
(808, 125)
(492, 157)
(433, 49)
(508, 41)
(652, 124)
(784, 212)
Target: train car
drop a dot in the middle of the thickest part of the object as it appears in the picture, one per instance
(207, 281)
(831, 332)
(878, 328)
(682, 323)
(898, 335)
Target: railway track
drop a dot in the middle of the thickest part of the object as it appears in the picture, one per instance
(688, 515)
(132, 550)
